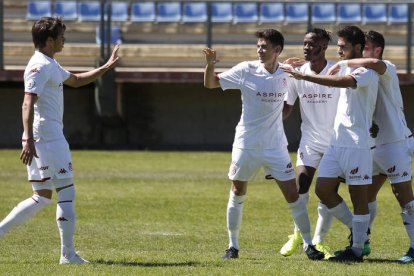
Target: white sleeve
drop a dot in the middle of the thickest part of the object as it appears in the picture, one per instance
(233, 78)
(64, 73)
(389, 72)
(35, 79)
(292, 92)
(363, 76)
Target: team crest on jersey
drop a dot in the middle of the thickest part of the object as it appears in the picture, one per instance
(31, 84)
(284, 82)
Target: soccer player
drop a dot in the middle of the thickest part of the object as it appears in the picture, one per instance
(318, 105)
(349, 154)
(260, 140)
(394, 141)
(45, 150)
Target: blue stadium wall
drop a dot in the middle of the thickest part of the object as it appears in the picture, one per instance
(155, 117)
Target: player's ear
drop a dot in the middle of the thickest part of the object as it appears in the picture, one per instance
(278, 49)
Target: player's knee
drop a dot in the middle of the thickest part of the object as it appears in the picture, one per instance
(41, 200)
(320, 192)
(66, 194)
(304, 183)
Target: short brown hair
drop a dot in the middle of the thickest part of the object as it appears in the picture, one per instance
(273, 36)
(46, 27)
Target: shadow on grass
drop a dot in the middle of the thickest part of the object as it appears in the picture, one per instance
(387, 261)
(144, 264)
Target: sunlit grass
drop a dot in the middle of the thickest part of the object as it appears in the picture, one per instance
(163, 213)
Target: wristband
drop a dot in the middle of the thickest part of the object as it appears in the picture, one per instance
(343, 64)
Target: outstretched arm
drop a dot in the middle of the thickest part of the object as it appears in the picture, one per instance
(334, 81)
(210, 79)
(81, 79)
(371, 63)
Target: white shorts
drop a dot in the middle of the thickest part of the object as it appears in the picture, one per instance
(394, 160)
(54, 162)
(247, 162)
(309, 155)
(352, 164)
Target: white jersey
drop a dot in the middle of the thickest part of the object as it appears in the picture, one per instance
(355, 110)
(318, 104)
(262, 93)
(44, 77)
(389, 112)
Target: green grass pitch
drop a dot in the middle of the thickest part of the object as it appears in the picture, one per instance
(164, 213)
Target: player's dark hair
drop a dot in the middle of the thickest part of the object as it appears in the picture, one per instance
(321, 34)
(353, 35)
(273, 36)
(46, 27)
(376, 39)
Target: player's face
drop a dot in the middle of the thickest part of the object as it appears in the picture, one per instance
(345, 49)
(266, 51)
(369, 50)
(59, 42)
(313, 49)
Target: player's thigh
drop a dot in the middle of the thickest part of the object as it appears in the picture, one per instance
(329, 166)
(42, 167)
(394, 160)
(356, 164)
(245, 163)
(309, 155)
(62, 159)
(278, 164)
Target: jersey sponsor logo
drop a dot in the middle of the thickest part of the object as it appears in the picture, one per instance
(62, 171)
(391, 175)
(316, 97)
(391, 170)
(271, 97)
(31, 83)
(44, 168)
(354, 171)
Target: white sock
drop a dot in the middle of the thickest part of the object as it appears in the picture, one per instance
(407, 215)
(342, 212)
(305, 199)
(372, 206)
(323, 224)
(66, 219)
(360, 225)
(300, 216)
(234, 218)
(23, 212)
